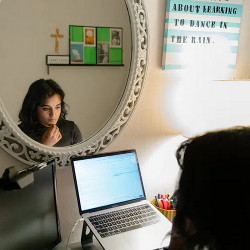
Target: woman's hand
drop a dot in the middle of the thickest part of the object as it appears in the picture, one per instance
(51, 136)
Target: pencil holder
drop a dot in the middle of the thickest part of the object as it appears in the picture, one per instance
(169, 214)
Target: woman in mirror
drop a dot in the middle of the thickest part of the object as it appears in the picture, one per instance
(43, 115)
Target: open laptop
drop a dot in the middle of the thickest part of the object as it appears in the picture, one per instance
(111, 199)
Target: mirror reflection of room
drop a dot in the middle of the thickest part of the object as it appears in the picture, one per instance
(92, 93)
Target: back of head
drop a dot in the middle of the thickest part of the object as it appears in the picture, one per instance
(37, 93)
(214, 188)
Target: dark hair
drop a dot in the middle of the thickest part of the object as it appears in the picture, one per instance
(214, 189)
(38, 92)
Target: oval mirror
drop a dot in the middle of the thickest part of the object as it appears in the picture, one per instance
(101, 98)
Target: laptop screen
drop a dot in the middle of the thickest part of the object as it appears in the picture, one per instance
(107, 179)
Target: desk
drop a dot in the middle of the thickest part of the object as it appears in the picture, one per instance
(89, 240)
(77, 246)
(94, 246)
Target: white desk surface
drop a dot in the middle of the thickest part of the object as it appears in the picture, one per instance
(77, 246)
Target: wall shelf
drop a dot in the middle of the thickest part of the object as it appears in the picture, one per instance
(93, 65)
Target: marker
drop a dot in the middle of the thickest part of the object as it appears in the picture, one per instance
(165, 204)
(167, 196)
(171, 204)
(160, 204)
(156, 202)
(169, 207)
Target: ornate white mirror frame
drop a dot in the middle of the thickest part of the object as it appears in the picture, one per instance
(29, 151)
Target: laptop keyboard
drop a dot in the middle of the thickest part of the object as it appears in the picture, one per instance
(116, 222)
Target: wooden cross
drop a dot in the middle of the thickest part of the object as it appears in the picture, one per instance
(56, 36)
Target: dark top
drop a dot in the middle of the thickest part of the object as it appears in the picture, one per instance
(68, 129)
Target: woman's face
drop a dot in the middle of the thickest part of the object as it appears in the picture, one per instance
(49, 112)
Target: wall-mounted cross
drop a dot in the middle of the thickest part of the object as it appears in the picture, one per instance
(56, 36)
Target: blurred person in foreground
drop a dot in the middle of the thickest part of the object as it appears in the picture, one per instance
(213, 200)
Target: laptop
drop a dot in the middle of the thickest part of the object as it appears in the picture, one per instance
(112, 201)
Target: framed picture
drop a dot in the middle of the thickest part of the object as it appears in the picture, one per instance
(89, 36)
(116, 37)
(103, 53)
(95, 45)
(109, 46)
(82, 41)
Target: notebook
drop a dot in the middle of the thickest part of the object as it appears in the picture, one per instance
(112, 201)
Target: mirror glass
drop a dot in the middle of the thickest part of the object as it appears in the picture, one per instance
(91, 92)
(101, 98)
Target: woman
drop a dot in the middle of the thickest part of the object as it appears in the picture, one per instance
(43, 113)
(213, 206)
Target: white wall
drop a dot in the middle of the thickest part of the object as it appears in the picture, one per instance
(154, 128)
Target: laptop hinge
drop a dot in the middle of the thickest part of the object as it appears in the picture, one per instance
(87, 238)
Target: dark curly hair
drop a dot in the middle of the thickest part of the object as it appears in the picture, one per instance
(38, 92)
(214, 189)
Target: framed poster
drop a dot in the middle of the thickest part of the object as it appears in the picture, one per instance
(201, 32)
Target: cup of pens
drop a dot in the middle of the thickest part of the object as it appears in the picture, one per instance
(164, 204)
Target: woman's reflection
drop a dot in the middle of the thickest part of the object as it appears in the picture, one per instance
(43, 113)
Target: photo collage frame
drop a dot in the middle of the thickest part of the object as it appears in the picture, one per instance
(95, 45)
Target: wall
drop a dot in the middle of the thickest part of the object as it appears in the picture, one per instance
(170, 105)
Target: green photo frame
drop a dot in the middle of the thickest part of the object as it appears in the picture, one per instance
(95, 45)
